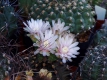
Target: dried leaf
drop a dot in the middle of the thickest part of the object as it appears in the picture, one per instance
(18, 77)
(6, 78)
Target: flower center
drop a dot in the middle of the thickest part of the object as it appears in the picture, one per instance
(65, 49)
(36, 29)
(46, 43)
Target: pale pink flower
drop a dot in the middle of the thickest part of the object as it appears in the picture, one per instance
(59, 27)
(46, 44)
(67, 47)
(36, 26)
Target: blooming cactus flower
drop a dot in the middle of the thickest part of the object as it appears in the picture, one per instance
(46, 43)
(36, 26)
(67, 47)
(59, 27)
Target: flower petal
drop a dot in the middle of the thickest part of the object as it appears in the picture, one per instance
(36, 52)
(64, 60)
(73, 45)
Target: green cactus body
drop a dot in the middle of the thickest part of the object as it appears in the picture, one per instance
(94, 64)
(76, 13)
(8, 19)
(57, 68)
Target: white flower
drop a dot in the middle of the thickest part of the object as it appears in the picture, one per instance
(59, 27)
(36, 26)
(46, 43)
(67, 47)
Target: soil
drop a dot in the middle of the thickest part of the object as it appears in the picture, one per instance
(84, 36)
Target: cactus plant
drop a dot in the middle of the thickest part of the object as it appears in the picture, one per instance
(93, 66)
(8, 28)
(30, 64)
(19, 65)
(8, 18)
(47, 55)
(75, 13)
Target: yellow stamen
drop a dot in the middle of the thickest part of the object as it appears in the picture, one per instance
(65, 49)
(46, 43)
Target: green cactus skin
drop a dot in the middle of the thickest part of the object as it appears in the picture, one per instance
(8, 19)
(94, 65)
(95, 2)
(75, 13)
